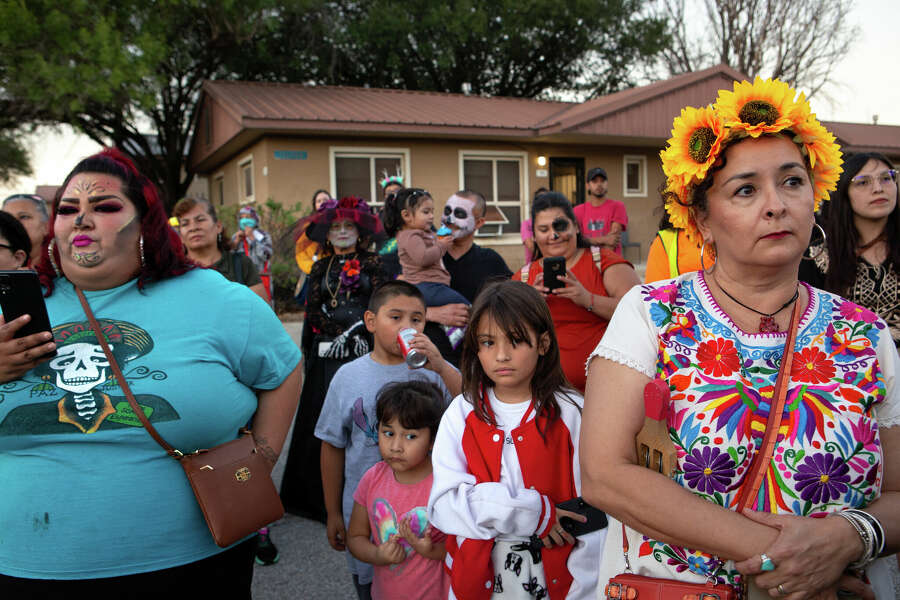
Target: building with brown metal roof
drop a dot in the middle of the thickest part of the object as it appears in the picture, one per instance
(255, 141)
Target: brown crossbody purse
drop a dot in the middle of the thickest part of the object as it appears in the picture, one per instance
(232, 481)
(654, 450)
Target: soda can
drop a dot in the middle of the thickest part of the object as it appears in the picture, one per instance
(414, 359)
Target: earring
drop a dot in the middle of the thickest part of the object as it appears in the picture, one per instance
(702, 252)
(824, 244)
(53, 264)
(219, 238)
(141, 247)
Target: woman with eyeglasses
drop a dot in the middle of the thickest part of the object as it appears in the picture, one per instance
(860, 255)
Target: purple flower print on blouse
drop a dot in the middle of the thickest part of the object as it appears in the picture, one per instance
(708, 470)
(822, 478)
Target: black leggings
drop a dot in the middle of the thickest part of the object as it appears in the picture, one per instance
(226, 575)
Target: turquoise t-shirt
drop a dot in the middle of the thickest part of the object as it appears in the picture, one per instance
(87, 493)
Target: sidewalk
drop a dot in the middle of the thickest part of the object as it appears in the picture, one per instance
(308, 569)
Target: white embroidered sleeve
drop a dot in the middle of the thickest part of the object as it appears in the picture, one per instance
(631, 339)
(888, 411)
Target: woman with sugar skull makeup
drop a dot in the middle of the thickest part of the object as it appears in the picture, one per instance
(94, 506)
(340, 283)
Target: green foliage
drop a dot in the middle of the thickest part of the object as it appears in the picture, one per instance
(503, 47)
(13, 157)
(279, 221)
(130, 72)
(117, 69)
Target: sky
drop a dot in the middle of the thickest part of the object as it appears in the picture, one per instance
(865, 83)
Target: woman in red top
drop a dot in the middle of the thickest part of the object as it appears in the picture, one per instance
(595, 281)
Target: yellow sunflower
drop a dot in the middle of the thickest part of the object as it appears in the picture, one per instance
(764, 106)
(694, 146)
(676, 194)
(824, 153)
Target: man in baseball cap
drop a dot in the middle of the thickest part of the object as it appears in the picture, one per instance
(602, 220)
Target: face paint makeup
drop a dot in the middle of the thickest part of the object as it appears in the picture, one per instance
(459, 215)
(88, 186)
(86, 259)
(124, 225)
(97, 230)
(560, 225)
(343, 234)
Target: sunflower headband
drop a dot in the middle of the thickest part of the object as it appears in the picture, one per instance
(701, 135)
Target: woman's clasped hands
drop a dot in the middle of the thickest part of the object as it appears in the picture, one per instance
(809, 555)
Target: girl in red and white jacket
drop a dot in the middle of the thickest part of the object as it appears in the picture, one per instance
(506, 453)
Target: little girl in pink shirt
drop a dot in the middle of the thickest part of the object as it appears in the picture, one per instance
(389, 526)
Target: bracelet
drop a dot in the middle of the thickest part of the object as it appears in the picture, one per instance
(867, 536)
(591, 307)
(877, 528)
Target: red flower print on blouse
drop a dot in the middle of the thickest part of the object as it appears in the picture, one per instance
(718, 357)
(811, 365)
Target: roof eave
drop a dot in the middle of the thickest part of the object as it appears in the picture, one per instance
(354, 128)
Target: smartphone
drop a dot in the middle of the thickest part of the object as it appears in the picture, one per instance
(554, 268)
(596, 518)
(20, 294)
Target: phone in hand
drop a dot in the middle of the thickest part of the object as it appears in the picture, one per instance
(596, 518)
(20, 294)
(554, 268)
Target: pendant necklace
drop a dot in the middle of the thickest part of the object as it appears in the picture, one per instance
(767, 323)
(337, 290)
(334, 294)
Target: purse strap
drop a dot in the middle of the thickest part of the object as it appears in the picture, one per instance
(120, 378)
(760, 463)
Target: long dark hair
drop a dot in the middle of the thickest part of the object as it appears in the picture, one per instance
(549, 200)
(842, 238)
(519, 311)
(396, 203)
(163, 250)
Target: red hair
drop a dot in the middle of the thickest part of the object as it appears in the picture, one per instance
(164, 255)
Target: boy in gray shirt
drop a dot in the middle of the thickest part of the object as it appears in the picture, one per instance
(347, 424)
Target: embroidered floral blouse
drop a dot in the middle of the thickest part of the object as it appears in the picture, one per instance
(828, 454)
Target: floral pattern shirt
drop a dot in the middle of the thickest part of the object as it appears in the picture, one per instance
(828, 454)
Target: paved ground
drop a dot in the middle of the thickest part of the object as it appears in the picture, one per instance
(309, 569)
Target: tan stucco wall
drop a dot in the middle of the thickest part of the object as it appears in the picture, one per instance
(434, 165)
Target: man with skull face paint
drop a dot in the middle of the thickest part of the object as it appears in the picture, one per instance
(470, 266)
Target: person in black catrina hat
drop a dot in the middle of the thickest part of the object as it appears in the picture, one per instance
(341, 282)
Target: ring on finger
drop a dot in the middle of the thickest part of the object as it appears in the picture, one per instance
(781, 589)
(767, 563)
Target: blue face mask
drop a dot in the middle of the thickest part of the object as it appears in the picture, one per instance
(247, 222)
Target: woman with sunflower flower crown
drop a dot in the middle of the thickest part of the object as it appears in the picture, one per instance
(340, 284)
(744, 177)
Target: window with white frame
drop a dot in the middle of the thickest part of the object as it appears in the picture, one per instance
(219, 189)
(500, 178)
(245, 179)
(358, 171)
(635, 175)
